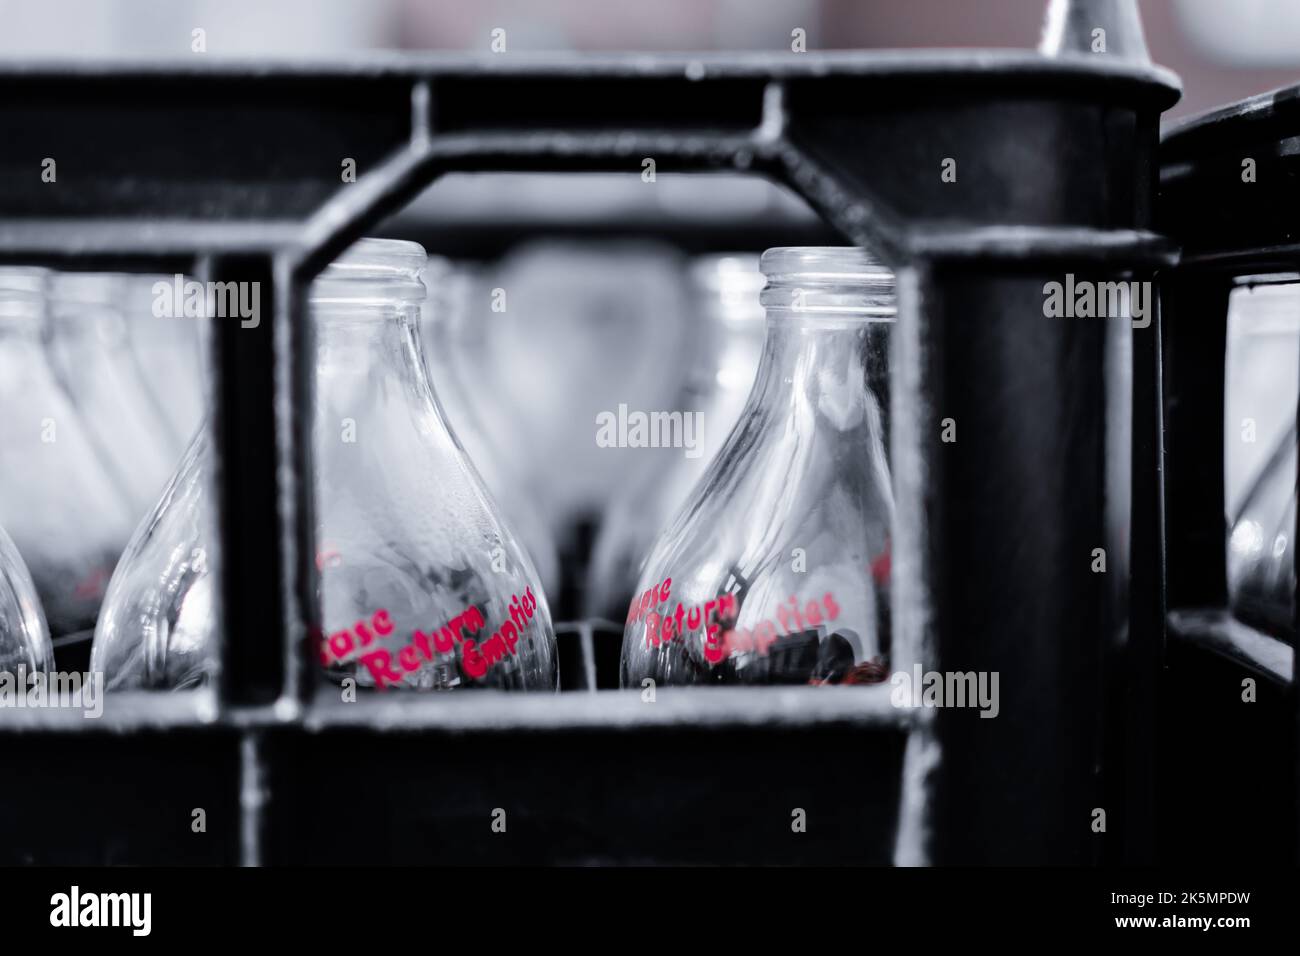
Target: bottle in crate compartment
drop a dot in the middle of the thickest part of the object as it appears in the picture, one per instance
(58, 501)
(777, 568)
(90, 350)
(24, 637)
(421, 584)
(455, 344)
(727, 330)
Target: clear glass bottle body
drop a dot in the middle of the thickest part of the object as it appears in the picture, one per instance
(24, 637)
(584, 327)
(1261, 377)
(421, 584)
(89, 347)
(66, 516)
(454, 349)
(777, 568)
(168, 348)
(1261, 549)
(728, 329)
(156, 627)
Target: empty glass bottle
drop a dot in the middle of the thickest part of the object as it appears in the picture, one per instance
(454, 352)
(66, 516)
(726, 343)
(24, 638)
(1261, 549)
(777, 568)
(1260, 436)
(89, 346)
(168, 348)
(156, 626)
(421, 585)
(584, 328)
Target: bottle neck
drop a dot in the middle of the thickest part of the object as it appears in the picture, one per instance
(825, 366)
(366, 342)
(830, 310)
(365, 308)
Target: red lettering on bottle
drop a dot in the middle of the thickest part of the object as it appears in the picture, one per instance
(652, 629)
(379, 662)
(832, 609)
(471, 621)
(742, 639)
(726, 606)
(494, 648)
(794, 609)
(473, 662)
(814, 613)
(341, 644)
(328, 558)
(713, 651)
(444, 639)
(882, 565)
(422, 647)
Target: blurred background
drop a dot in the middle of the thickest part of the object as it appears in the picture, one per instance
(1222, 50)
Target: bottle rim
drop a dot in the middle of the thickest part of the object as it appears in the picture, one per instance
(849, 264)
(843, 281)
(373, 271)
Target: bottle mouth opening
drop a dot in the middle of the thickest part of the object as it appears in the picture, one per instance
(843, 281)
(372, 272)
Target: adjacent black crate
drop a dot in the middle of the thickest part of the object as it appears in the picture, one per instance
(1230, 224)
